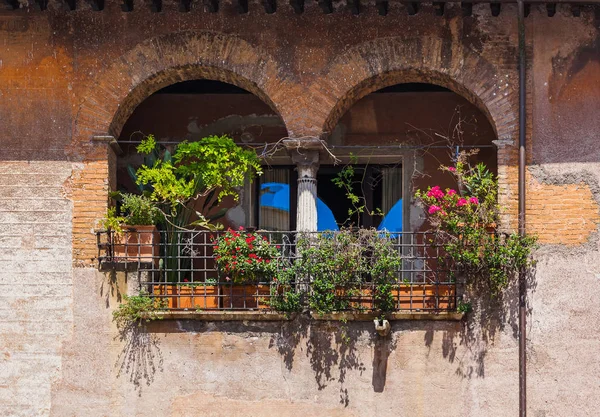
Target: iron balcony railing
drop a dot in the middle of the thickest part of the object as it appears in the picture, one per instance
(178, 269)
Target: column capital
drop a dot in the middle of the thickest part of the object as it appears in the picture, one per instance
(304, 143)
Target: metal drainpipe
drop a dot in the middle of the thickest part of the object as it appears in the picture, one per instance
(522, 272)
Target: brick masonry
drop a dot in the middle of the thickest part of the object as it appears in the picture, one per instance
(65, 77)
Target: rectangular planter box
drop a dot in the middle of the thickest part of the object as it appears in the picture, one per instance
(168, 293)
(137, 244)
(423, 297)
(199, 297)
(245, 296)
(189, 296)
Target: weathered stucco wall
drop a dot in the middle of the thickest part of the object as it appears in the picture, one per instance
(66, 76)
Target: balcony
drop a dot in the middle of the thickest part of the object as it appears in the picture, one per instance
(356, 274)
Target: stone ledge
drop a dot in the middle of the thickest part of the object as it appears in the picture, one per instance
(225, 315)
(274, 316)
(449, 316)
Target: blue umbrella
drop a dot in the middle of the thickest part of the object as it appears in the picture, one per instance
(276, 195)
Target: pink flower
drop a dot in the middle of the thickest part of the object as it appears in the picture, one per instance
(462, 202)
(451, 169)
(435, 192)
(227, 279)
(474, 200)
(451, 192)
(434, 209)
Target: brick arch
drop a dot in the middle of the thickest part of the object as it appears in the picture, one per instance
(168, 59)
(373, 65)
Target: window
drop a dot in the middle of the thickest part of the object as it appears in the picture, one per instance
(379, 187)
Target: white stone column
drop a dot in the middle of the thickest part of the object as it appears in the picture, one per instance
(307, 163)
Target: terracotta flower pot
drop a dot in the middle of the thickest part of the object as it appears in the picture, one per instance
(199, 296)
(137, 244)
(358, 298)
(167, 293)
(246, 296)
(423, 297)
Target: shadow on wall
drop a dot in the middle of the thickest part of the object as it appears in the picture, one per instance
(332, 347)
(140, 357)
(490, 316)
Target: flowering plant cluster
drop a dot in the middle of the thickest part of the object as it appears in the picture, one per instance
(245, 257)
(464, 222)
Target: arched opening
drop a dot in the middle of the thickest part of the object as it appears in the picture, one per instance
(192, 110)
(396, 138)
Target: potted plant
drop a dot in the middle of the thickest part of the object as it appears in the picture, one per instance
(202, 295)
(349, 270)
(463, 222)
(247, 263)
(133, 230)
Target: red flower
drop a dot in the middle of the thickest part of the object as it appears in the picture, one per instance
(249, 261)
(278, 246)
(253, 255)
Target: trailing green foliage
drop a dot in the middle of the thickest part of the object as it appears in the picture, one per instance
(348, 270)
(138, 308)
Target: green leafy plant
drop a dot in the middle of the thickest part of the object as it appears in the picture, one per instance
(464, 223)
(137, 309)
(348, 268)
(285, 297)
(187, 185)
(464, 307)
(139, 210)
(209, 169)
(112, 221)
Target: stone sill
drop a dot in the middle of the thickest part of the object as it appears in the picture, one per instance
(274, 316)
(448, 316)
(224, 315)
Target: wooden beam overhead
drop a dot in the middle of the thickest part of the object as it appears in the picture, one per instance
(298, 6)
(382, 7)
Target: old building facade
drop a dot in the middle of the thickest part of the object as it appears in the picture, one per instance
(71, 82)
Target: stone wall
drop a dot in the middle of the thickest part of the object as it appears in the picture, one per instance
(65, 77)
